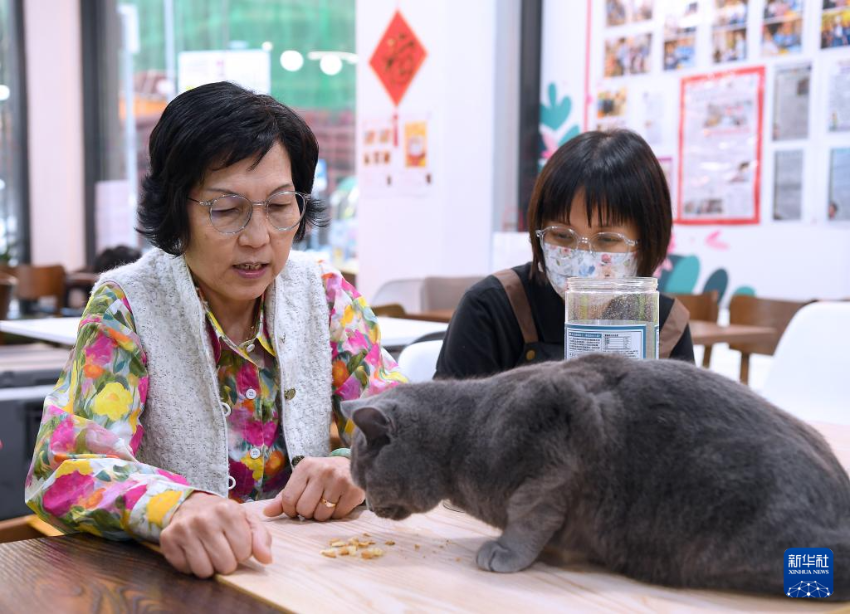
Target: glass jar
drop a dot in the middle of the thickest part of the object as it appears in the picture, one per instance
(618, 316)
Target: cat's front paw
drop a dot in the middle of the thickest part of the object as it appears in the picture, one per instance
(493, 556)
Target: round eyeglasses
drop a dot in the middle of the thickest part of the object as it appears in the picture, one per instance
(231, 213)
(559, 236)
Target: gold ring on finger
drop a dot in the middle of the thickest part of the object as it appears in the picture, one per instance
(327, 503)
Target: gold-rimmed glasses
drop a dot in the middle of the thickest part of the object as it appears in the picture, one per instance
(231, 213)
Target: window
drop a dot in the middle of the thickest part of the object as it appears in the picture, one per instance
(14, 230)
(299, 51)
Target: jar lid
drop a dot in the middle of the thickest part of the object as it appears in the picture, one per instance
(616, 285)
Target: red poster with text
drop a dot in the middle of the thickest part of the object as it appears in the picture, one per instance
(397, 58)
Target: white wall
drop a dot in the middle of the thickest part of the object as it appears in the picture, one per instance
(802, 259)
(54, 83)
(447, 231)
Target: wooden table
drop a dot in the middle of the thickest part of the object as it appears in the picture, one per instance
(432, 567)
(83, 573)
(703, 333)
(709, 333)
(437, 315)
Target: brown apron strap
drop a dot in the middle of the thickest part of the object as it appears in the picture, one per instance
(673, 329)
(519, 303)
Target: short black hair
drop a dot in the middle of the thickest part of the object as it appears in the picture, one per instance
(212, 127)
(113, 257)
(621, 182)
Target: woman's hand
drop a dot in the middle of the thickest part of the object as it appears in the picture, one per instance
(210, 534)
(319, 488)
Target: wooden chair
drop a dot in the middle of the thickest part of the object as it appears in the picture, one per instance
(755, 311)
(704, 307)
(7, 290)
(404, 292)
(392, 310)
(36, 282)
(439, 293)
(25, 527)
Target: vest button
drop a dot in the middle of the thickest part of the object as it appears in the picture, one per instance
(225, 409)
(251, 393)
(289, 394)
(255, 453)
(250, 347)
(530, 354)
(231, 482)
(296, 460)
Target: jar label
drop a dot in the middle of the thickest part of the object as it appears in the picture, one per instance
(633, 340)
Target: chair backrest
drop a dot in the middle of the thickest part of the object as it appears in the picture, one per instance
(419, 361)
(392, 310)
(35, 282)
(404, 292)
(808, 376)
(703, 306)
(754, 311)
(445, 292)
(7, 289)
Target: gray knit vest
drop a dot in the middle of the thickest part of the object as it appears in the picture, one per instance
(185, 429)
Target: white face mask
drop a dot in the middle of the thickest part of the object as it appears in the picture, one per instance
(564, 262)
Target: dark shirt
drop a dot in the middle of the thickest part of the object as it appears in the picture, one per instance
(484, 336)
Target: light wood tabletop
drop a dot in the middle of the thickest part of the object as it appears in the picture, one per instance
(431, 567)
(84, 573)
(709, 333)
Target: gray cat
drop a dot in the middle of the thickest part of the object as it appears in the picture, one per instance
(655, 469)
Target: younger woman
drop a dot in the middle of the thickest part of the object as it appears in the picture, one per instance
(600, 208)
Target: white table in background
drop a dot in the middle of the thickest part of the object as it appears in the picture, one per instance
(395, 332)
(55, 330)
(400, 332)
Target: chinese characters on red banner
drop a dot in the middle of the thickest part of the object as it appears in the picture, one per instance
(397, 58)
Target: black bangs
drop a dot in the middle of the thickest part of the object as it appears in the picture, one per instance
(619, 180)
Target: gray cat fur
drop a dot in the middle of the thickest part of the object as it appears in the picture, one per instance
(658, 470)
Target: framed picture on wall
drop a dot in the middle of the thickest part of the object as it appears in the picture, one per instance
(792, 87)
(835, 24)
(838, 207)
(729, 31)
(720, 142)
(782, 31)
(838, 103)
(788, 185)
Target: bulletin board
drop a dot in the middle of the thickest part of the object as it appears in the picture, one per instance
(745, 102)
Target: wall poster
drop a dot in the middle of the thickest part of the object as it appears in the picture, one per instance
(720, 141)
(792, 87)
(788, 185)
(838, 208)
(838, 103)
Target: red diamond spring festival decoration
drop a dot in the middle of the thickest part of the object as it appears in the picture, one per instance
(397, 57)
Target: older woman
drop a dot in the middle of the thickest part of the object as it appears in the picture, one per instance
(207, 373)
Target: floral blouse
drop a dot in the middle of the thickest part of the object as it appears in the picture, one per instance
(84, 474)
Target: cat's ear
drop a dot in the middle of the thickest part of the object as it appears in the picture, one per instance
(374, 423)
(348, 407)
